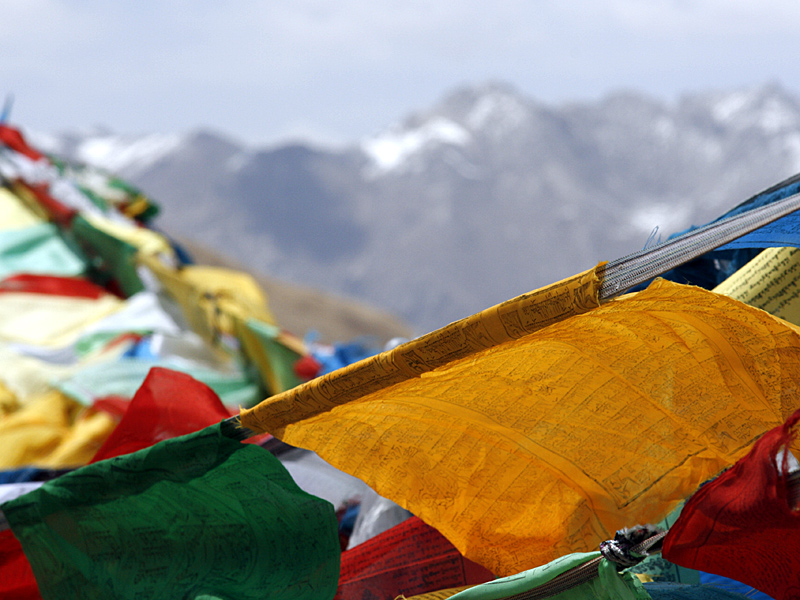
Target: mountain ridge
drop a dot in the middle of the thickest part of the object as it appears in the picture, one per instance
(482, 196)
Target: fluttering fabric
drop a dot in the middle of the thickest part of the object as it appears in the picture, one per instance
(410, 558)
(37, 249)
(11, 137)
(608, 585)
(52, 431)
(271, 352)
(544, 445)
(771, 282)
(48, 320)
(123, 378)
(18, 581)
(782, 232)
(199, 516)
(14, 212)
(741, 524)
(70, 287)
(87, 222)
(712, 268)
(212, 299)
(168, 404)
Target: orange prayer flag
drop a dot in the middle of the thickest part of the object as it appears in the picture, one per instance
(535, 447)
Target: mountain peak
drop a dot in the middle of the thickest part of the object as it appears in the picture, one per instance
(769, 108)
(468, 111)
(481, 196)
(392, 149)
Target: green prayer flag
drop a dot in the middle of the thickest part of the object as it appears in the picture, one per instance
(274, 359)
(123, 377)
(38, 249)
(109, 257)
(198, 516)
(608, 585)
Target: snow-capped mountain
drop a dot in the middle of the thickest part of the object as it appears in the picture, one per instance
(484, 196)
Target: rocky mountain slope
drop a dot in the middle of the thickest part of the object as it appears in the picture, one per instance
(484, 196)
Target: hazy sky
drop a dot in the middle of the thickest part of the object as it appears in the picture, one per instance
(338, 70)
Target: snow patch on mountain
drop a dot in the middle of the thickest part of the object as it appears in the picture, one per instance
(498, 111)
(767, 109)
(391, 150)
(127, 154)
(239, 160)
(727, 108)
(665, 128)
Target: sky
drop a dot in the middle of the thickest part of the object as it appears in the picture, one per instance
(336, 71)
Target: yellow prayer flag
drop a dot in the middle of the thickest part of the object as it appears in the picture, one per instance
(26, 197)
(52, 431)
(510, 320)
(540, 446)
(143, 239)
(213, 299)
(14, 212)
(48, 319)
(771, 282)
(8, 401)
(272, 351)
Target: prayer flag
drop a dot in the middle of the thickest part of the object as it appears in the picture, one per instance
(17, 582)
(37, 249)
(199, 516)
(212, 299)
(71, 287)
(273, 352)
(15, 214)
(410, 558)
(535, 447)
(770, 281)
(113, 260)
(50, 320)
(608, 584)
(52, 431)
(742, 525)
(168, 404)
(12, 138)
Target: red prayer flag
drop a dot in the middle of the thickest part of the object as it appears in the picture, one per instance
(113, 405)
(168, 404)
(13, 139)
(741, 525)
(410, 558)
(73, 287)
(16, 577)
(59, 212)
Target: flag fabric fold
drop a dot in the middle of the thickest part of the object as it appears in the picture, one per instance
(410, 558)
(547, 444)
(18, 582)
(168, 404)
(741, 524)
(509, 321)
(199, 516)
